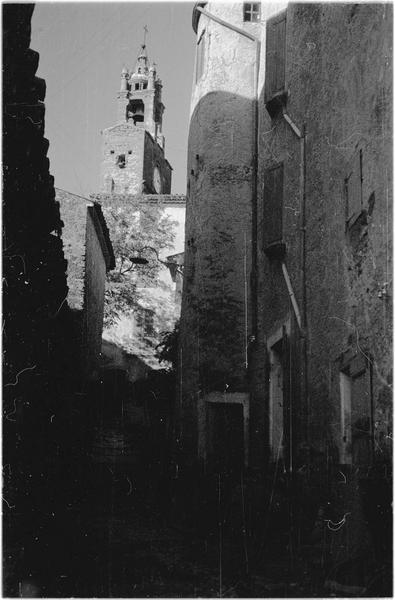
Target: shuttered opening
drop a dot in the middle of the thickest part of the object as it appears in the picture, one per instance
(275, 62)
(273, 205)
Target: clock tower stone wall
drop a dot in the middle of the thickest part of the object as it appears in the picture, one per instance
(134, 149)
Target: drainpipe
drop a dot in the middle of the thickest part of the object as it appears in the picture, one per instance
(254, 261)
(301, 135)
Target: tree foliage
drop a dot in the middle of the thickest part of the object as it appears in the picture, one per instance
(138, 230)
(167, 349)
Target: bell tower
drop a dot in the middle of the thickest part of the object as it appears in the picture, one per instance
(134, 149)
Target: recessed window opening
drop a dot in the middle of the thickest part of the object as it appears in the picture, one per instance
(144, 86)
(136, 111)
(121, 161)
(252, 12)
(355, 416)
(129, 152)
(111, 151)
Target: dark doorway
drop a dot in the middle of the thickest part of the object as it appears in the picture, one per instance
(225, 437)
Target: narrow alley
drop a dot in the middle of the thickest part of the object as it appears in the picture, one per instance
(197, 329)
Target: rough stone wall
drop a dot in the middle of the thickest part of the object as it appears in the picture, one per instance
(339, 81)
(344, 53)
(154, 157)
(141, 153)
(73, 213)
(89, 256)
(34, 267)
(117, 140)
(35, 331)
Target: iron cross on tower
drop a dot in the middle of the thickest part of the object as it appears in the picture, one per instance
(145, 33)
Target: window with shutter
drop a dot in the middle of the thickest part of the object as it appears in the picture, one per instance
(353, 187)
(273, 205)
(275, 93)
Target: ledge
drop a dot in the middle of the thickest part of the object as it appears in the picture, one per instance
(276, 104)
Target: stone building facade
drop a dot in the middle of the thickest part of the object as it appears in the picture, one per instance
(285, 325)
(325, 164)
(90, 256)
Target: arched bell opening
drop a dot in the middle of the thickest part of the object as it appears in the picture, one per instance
(135, 111)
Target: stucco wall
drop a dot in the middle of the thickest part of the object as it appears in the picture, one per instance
(216, 309)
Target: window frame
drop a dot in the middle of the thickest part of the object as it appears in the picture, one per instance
(352, 369)
(249, 10)
(121, 161)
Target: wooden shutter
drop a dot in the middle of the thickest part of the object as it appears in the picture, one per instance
(354, 187)
(273, 205)
(275, 56)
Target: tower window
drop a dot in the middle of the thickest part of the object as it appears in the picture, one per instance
(111, 151)
(129, 152)
(144, 86)
(136, 86)
(135, 111)
(252, 12)
(121, 161)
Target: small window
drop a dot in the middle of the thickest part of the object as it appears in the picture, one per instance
(111, 151)
(136, 86)
(200, 56)
(252, 12)
(144, 86)
(129, 152)
(121, 161)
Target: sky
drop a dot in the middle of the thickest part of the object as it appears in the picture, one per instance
(83, 47)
